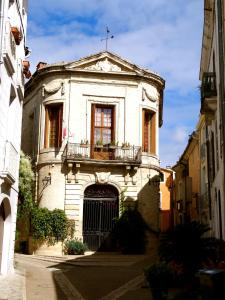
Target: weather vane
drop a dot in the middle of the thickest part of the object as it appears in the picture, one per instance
(108, 36)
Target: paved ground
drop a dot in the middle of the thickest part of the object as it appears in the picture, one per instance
(100, 276)
(12, 287)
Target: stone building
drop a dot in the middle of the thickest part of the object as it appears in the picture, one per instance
(187, 185)
(91, 128)
(13, 68)
(212, 116)
(166, 199)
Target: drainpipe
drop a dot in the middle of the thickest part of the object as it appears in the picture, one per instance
(221, 83)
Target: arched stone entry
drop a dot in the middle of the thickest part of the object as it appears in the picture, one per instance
(101, 207)
(5, 225)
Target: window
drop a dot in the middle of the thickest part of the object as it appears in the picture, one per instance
(102, 124)
(53, 126)
(148, 131)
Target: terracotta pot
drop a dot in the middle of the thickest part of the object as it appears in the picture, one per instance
(17, 34)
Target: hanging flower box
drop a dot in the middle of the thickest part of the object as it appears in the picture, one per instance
(17, 35)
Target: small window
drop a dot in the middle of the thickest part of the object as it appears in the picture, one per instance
(53, 126)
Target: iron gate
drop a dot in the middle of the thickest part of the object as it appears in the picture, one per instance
(99, 215)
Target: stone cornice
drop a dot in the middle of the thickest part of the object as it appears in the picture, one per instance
(207, 38)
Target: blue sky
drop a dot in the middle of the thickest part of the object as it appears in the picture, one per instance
(164, 36)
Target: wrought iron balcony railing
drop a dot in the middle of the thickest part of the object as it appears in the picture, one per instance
(117, 154)
(208, 87)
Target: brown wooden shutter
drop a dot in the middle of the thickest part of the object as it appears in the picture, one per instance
(92, 128)
(143, 129)
(46, 127)
(153, 134)
(113, 126)
(60, 118)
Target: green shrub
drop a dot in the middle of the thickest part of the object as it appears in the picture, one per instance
(26, 186)
(49, 226)
(75, 247)
(130, 232)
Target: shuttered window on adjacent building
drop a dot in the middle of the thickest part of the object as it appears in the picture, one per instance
(53, 126)
(148, 131)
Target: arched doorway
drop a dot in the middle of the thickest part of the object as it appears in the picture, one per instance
(5, 225)
(101, 207)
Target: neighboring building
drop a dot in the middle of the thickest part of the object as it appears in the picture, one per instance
(166, 199)
(205, 194)
(213, 109)
(91, 127)
(186, 187)
(13, 22)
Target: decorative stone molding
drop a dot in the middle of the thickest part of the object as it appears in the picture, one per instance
(134, 175)
(53, 88)
(127, 175)
(77, 172)
(104, 65)
(153, 97)
(102, 177)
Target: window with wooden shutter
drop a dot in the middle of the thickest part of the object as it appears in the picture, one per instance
(102, 127)
(53, 126)
(148, 131)
(103, 124)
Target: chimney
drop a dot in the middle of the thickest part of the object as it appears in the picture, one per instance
(41, 65)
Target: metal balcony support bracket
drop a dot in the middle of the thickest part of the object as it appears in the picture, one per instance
(47, 180)
(77, 172)
(70, 172)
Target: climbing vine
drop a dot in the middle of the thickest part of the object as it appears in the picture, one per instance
(41, 223)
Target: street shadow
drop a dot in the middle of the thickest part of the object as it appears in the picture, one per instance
(94, 275)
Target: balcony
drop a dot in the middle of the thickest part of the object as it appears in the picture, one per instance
(208, 93)
(9, 50)
(102, 154)
(9, 163)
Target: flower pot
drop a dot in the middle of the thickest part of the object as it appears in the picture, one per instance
(98, 146)
(17, 34)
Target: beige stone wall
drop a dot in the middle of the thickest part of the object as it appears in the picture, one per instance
(129, 93)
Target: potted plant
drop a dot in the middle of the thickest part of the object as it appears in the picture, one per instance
(113, 144)
(17, 34)
(99, 144)
(84, 143)
(126, 146)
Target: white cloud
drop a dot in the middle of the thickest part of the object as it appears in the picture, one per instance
(180, 134)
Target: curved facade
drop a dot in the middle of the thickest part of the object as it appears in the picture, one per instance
(94, 121)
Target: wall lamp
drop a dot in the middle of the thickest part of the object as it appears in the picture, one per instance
(47, 179)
